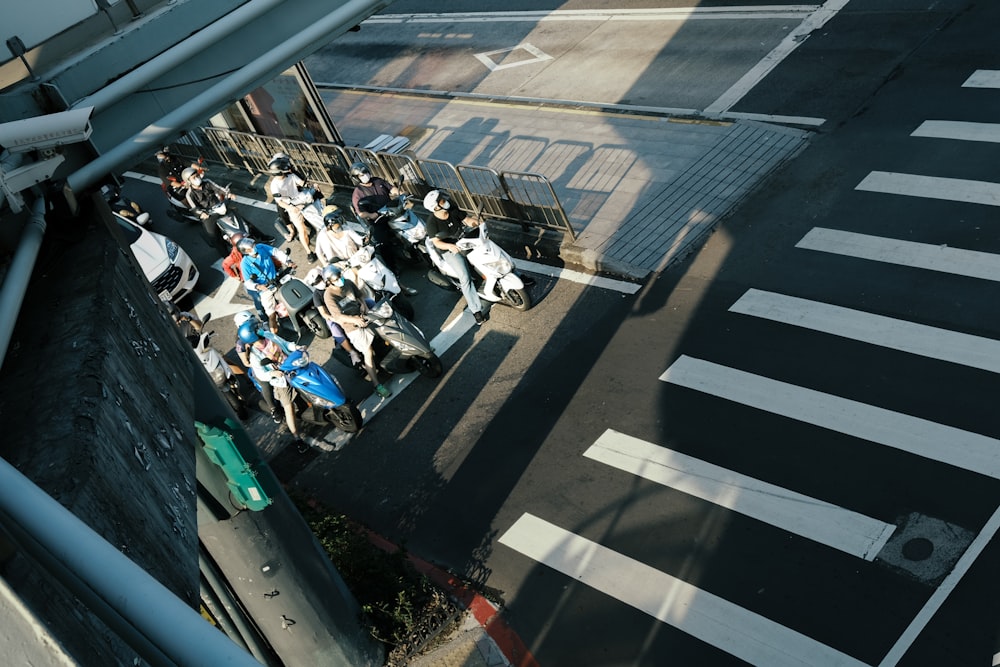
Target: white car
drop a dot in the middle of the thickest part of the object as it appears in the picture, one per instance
(165, 264)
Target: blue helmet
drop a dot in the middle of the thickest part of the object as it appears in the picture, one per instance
(247, 333)
(331, 273)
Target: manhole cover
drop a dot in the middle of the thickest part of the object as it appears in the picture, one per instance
(925, 548)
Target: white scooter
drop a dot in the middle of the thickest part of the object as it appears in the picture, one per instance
(491, 268)
(374, 277)
(312, 205)
(409, 228)
(220, 371)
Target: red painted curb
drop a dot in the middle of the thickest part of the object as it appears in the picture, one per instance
(483, 610)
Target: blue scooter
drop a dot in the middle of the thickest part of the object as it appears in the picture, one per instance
(318, 397)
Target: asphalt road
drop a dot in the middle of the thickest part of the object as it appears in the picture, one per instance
(779, 430)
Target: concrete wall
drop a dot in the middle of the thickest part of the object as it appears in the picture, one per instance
(96, 409)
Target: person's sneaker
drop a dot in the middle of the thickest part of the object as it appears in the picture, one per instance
(408, 291)
(301, 446)
(288, 234)
(383, 391)
(481, 317)
(312, 257)
(277, 416)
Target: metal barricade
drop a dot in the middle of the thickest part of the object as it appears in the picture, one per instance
(520, 197)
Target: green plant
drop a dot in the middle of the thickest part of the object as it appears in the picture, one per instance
(397, 602)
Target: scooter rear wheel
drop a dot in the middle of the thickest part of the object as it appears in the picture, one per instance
(347, 418)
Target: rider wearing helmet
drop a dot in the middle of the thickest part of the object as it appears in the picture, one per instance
(168, 168)
(445, 226)
(204, 195)
(232, 267)
(335, 242)
(266, 354)
(284, 187)
(259, 268)
(342, 297)
(370, 192)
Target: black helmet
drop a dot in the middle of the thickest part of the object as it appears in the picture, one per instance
(357, 170)
(332, 215)
(279, 164)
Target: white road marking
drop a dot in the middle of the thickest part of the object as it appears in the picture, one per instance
(926, 341)
(983, 78)
(675, 14)
(539, 56)
(578, 277)
(816, 19)
(703, 615)
(942, 592)
(937, 442)
(971, 263)
(219, 303)
(961, 130)
(932, 187)
(836, 527)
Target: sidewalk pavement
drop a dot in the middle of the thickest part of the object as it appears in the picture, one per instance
(640, 190)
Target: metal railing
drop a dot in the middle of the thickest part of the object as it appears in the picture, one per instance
(524, 198)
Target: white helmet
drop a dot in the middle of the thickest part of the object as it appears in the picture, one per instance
(433, 197)
(314, 278)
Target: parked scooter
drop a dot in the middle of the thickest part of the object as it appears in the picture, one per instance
(220, 371)
(295, 302)
(318, 397)
(124, 206)
(492, 269)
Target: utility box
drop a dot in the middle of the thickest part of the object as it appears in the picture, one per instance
(241, 478)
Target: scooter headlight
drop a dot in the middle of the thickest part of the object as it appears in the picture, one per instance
(501, 266)
(321, 402)
(299, 359)
(403, 347)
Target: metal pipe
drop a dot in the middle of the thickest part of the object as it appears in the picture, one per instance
(232, 87)
(15, 283)
(174, 56)
(176, 630)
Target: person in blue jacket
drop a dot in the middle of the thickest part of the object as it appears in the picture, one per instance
(260, 267)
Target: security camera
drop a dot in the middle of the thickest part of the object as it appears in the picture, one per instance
(46, 132)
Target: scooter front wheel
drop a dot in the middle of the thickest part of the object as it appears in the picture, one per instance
(518, 299)
(429, 366)
(346, 417)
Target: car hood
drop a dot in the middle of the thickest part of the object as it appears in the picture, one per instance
(150, 249)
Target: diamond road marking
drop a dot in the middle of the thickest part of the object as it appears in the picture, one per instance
(538, 54)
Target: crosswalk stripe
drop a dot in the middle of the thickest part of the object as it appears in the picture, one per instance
(971, 263)
(937, 442)
(927, 341)
(983, 78)
(708, 617)
(961, 130)
(836, 527)
(932, 187)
